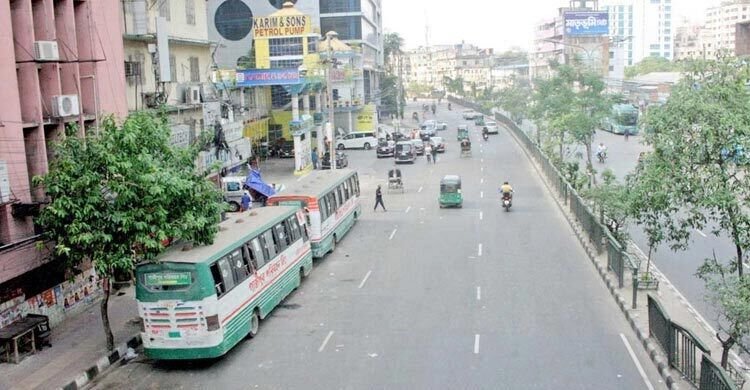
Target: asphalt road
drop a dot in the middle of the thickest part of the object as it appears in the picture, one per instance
(420, 297)
(679, 267)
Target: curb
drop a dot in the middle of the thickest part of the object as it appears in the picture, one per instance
(84, 378)
(654, 353)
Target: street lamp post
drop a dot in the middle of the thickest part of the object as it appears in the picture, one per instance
(329, 93)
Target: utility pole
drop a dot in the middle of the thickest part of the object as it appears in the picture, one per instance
(329, 92)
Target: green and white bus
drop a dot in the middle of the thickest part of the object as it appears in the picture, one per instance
(199, 302)
(330, 200)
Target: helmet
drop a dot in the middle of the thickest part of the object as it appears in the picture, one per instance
(505, 182)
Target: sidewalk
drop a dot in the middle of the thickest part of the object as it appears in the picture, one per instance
(77, 344)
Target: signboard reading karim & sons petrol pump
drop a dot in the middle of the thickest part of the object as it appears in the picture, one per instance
(281, 26)
(586, 23)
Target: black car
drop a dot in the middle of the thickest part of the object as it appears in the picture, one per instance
(341, 160)
(384, 149)
(286, 150)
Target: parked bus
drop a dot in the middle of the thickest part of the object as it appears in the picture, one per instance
(622, 118)
(199, 302)
(330, 200)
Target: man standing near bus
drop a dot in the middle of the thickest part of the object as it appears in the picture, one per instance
(379, 199)
(247, 200)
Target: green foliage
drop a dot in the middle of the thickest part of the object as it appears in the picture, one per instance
(652, 64)
(416, 89)
(515, 97)
(613, 199)
(454, 85)
(116, 196)
(389, 85)
(392, 45)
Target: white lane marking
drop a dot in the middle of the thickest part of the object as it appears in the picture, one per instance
(479, 251)
(408, 209)
(328, 338)
(479, 293)
(481, 194)
(481, 160)
(481, 215)
(482, 169)
(637, 363)
(481, 181)
(420, 189)
(365, 279)
(393, 233)
(701, 233)
(476, 344)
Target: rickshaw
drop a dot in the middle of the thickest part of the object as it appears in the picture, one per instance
(463, 132)
(395, 182)
(465, 147)
(450, 192)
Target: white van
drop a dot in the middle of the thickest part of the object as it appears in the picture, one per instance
(357, 139)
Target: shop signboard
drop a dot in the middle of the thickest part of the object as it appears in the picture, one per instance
(281, 26)
(260, 77)
(586, 23)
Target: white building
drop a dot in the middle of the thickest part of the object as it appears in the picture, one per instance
(721, 21)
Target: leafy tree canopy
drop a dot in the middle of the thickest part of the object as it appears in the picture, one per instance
(652, 64)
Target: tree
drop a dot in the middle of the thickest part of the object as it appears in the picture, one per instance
(698, 141)
(514, 98)
(392, 47)
(454, 85)
(652, 64)
(613, 199)
(116, 197)
(417, 89)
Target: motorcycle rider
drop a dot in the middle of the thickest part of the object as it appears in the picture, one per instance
(506, 190)
(485, 133)
(601, 151)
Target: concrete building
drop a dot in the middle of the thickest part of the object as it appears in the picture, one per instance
(359, 23)
(62, 63)
(652, 29)
(742, 39)
(720, 26)
(688, 41)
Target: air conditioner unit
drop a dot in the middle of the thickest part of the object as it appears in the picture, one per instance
(65, 105)
(46, 51)
(153, 99)
(193, 94)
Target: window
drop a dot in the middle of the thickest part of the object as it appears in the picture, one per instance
(340, 199)
(347, 194)
(282, 236)
(195, 74)
(190, 12)
(285, 64)
(255, 251)
(239, 265)
(294, 232)
(164, 9)
(269, 245)
(312, 45)
(223, 276)
(334, 6)
(323, 207)
(173, 68)
(348, 27)
(285, 47)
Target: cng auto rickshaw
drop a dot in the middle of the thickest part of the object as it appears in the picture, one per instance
(479, 120)
(463, 132)
(450, 192)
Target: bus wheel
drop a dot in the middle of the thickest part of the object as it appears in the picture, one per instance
(254, 324)
(333, 244)
(234, 207)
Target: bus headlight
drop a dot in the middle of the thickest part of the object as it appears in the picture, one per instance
(212, 323)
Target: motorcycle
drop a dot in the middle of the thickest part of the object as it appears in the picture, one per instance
(486, 136)
(449, 107)
(601, 156)
(507, 201)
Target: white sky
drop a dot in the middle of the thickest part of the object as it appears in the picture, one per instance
(499, 24)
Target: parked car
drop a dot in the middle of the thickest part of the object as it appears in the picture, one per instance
(385, 148)
(405, 152)
(357, 139)
(492, 127)
(418, 146)
(470, 114)
(286, 150)
(341, 160)
(438, 144)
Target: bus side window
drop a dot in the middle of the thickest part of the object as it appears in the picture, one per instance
(323, 208)
(239, 265)
(226, 274)
(355, 183)
(256, 253)
(249, 257)
(340, 196)
(219, 286)
(282, 238)
(269, 245)
(293, 228)
(332, 205)
(347, 194)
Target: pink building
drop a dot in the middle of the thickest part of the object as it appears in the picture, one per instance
(61, 62)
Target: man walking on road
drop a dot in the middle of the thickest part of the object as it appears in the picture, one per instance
(379, 199)
(434, 154)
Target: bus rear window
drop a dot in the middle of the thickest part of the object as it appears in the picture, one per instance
(167, 280)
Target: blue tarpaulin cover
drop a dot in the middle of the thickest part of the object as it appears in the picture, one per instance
(255, 182)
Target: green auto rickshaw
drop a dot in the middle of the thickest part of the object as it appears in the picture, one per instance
(450, 192)
(479, 120)
(463, 132)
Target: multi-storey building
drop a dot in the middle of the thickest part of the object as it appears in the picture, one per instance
(652, 29)
(62, 64)
(721, 24)
(689, 41)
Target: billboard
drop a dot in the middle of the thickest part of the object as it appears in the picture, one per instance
(281, 26)
(586, 23)
(259, 77)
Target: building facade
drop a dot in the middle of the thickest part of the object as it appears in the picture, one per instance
(720, 26)
(62, 64)
(689, 41)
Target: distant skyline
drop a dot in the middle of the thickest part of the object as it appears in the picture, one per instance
(489, 23)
